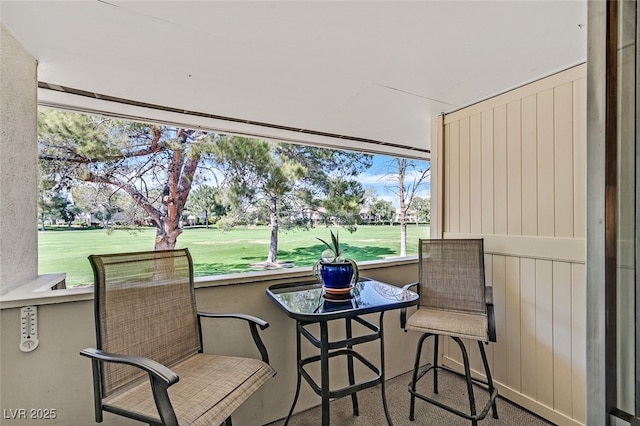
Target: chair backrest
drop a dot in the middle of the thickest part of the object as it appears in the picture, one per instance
(144, 306)
(452, 275)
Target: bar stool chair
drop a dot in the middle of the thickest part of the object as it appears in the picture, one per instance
(454, 302)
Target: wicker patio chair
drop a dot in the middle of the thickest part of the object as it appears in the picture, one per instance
(149, 364)
(454, 302)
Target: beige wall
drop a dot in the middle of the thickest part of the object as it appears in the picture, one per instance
(512, 171)
(18, 169)
(56, 376)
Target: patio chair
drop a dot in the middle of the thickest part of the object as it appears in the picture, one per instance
(454, 302)
(149, 363)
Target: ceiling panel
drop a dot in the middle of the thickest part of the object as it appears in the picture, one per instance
(370, 70)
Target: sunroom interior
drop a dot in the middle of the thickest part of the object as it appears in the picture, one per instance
(494, 94)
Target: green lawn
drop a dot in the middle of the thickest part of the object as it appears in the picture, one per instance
(217, 252)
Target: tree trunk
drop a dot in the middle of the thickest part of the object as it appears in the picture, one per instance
(166, 236)
(403, 236)
(402, 169)
(168, 222)
(273, 244)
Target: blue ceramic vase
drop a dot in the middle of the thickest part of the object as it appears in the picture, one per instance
(336, 275)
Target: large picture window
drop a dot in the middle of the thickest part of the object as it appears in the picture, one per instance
(239, 204)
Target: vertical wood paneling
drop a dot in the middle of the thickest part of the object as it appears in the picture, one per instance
(475, 149)
(465, 189)
(520, 170)
(528, 326)
(546, 194)
(513, 321)
(500, 169)
(514, 169)
(529, 166)
(499, 299)
(562, 337)
(579, 342)
(446, 186)
(454, 177)
(579, 158)
(544, 332)
(489, 277)
(563, 157)
(487, 172)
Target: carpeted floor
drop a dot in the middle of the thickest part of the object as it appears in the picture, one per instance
(452, 392)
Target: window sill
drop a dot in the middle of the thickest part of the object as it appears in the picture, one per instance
(293, 274)
(41, 290)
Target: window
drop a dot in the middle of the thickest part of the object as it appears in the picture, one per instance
(239, 204)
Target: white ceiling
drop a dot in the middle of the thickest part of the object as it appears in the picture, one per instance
(362, 69)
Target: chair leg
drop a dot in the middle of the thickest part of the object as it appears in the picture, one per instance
(488, 385)
(467, 372)
(414, 378)
(494, 408)
(435, 364)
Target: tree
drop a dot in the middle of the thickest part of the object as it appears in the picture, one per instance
(205, 199)
(409, 175)
(382, 210)
(155, 165)
(286, 179)
(422, 207)
(344, 202)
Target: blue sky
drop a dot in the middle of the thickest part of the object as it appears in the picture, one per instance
(380, 178)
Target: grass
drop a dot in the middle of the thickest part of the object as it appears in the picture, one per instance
(214, 251)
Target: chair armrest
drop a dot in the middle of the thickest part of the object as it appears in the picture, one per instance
(491, 316)
(408, 286)
(403, 311)
(488, 295)
(150, 366)
(251, 319)
(160, 377)
(254, 323)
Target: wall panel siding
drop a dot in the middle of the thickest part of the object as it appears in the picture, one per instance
(514, 168)
(528, 327)
(529, 166)
(475, 173)
(487, 172)
(546, 193)
(454, 176)
(519, 183)
(578, 340)
(500, 169)
(563, 159)
(579, 158)
(562, 398)
(465, 170)
(544, 332)
(499, 299)
(513, 327)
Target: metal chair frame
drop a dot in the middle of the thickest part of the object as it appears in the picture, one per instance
(160, 376)
(473, 415)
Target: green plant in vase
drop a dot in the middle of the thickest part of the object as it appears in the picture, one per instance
(335, 271)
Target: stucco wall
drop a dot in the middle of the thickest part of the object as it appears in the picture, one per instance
(18, 168)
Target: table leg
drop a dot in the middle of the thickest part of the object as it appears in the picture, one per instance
(298, 359)
(352, 379)
(384, 395)
(324, 371)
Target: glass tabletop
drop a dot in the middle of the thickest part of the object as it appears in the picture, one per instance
(311, 302)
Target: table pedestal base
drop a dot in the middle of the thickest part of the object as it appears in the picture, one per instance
(339, 348)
